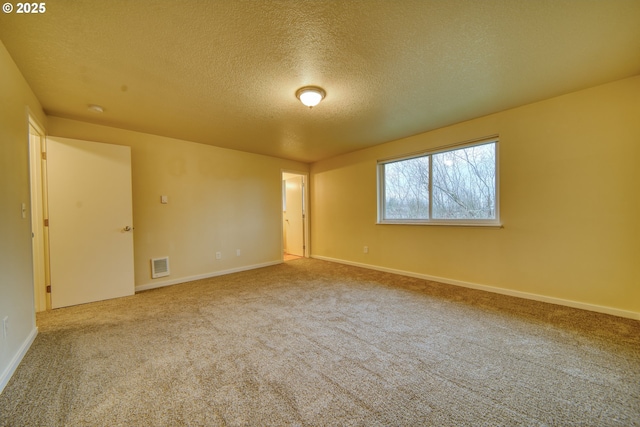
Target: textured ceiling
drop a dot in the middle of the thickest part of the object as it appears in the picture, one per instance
(225, 73)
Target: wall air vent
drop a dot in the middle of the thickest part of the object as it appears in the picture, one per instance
(159, 267)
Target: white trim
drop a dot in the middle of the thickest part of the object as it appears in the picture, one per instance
(452, 223)
(164, 283)
(526, 295)
(13, 365)
(33, 120)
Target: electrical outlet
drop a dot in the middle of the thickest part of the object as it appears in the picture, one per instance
(366, 249)
(5, 327)
(238, 252)
(218, 255)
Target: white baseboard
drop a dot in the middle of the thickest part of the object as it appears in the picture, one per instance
(13, 365)
(503, 291)
(178, 280)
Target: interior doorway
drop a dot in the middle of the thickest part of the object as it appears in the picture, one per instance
(39, 230)
(295, 229)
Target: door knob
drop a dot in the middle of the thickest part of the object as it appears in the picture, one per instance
(127, 228)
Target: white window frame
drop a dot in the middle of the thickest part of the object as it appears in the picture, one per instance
(451, 222)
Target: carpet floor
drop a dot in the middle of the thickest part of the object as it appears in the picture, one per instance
(313, 343)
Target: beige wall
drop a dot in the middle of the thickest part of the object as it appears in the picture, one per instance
(16, 270)
(570, 204)
(219, 200)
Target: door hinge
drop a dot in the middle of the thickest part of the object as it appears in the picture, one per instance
(44, 155)
(49, 289)
(46, 222)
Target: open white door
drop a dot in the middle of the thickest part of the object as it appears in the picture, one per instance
(90, 221)
(293, 216)
(38, 242)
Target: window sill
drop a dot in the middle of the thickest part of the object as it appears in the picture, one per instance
(444, 223)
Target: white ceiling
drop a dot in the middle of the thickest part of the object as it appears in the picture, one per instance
(225, 72)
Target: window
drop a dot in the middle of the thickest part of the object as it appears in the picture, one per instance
(449, 186)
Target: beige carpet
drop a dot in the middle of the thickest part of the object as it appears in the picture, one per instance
(314, 343)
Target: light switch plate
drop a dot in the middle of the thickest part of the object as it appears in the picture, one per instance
(164, 199)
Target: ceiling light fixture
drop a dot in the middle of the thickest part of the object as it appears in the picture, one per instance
(310, 95)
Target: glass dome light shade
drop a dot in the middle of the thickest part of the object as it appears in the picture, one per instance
(310, 95)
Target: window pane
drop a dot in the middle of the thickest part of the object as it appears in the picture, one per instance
(406, 188)
(464, 183)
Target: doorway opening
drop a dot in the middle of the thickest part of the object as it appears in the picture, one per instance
(295, 226)
(39, 215)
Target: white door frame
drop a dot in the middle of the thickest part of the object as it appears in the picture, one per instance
(39, 212)
(305, 211)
